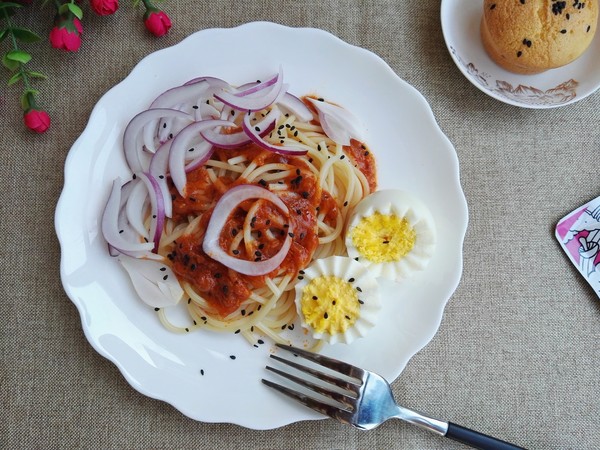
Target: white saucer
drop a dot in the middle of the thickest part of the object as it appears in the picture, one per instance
(550, 89)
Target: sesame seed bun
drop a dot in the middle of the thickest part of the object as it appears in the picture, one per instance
(532, 36)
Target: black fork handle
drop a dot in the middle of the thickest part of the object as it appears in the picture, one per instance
(477, 440)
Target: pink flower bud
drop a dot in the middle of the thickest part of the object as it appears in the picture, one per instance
(104, 7)
(36, 120)
(158, 23)
(66, 35)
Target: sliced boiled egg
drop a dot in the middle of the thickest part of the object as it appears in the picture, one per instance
(337, 299)
(392, 233)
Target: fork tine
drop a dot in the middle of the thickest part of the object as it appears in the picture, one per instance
(337, 396)
(334, 364)
(344, 384)
(323, 408)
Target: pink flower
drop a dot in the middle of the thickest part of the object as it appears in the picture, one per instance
(66, 35)
(158, 23)
(36, 120)
(104, 7)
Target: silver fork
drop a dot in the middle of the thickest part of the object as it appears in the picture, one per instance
(364, 400)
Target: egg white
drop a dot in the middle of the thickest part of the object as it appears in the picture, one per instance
(345, 269)
(401, 204)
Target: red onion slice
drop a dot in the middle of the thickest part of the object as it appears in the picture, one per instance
(110, 224)
(180, 146)
(239, 138)
(253, 88)
(223, 209)
(159, 167)
(158, 208)
(154, 281)
(134, 154)
(295, 106)
(337, 122)
(252, 102)
(255, 134)
(135, 208)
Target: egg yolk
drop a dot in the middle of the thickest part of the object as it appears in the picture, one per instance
(330, 304)
(383, 238)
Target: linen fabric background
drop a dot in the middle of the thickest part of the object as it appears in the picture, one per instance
(517, 352)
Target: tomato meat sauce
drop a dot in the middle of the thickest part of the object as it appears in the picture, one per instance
(223, 288)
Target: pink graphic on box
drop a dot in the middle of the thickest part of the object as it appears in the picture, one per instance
(579, 235)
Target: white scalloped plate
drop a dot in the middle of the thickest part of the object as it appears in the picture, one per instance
(194, 372)
(550, 89)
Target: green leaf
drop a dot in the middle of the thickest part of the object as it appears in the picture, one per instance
(62, 9)
(3, 34)
(16, 77)
(19, 56)
(36, 75)
(75, 10)
(9, 63)
(25, 35)
(25, 102)
(6, 5)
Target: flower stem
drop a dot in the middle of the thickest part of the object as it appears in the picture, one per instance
(15, 46)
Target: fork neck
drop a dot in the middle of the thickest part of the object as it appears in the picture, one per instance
(436, 426)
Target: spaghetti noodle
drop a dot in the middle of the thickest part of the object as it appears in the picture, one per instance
(318, 182)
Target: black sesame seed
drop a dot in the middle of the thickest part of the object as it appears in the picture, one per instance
(342, 157)
(386, 242)
(257, 253)
(236, 252)
(260, 341)
(195, 107)
(202, 372)
(493, 6)
(243, 312)
(325, 316)
(361, 302)
(225, 289)
(519, 53)
(358, 289)
(165, 277)
(232, 356)
(217, 275)
(333, 302)
(121, 231)
(291, 235)
(588, 29)
(257, 128)
(291, 327)
(237, 331)
(193, 266)
(187, 330)
(563, 31)
(234, 232)
(345, 203)
(347, 317)
(261, 246)
(305, 194)
(164, 125)
(156, 309)
(351, 280)
(300, 277)
(315, 297)
(162, 269)
(189, 301)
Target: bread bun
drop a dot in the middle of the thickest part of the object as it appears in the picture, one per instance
(531, 36)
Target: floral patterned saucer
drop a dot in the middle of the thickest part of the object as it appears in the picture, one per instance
(550, 89)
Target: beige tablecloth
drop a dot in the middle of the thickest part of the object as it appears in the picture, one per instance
(517, 352)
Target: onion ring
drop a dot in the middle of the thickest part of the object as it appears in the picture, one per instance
(223, 209)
